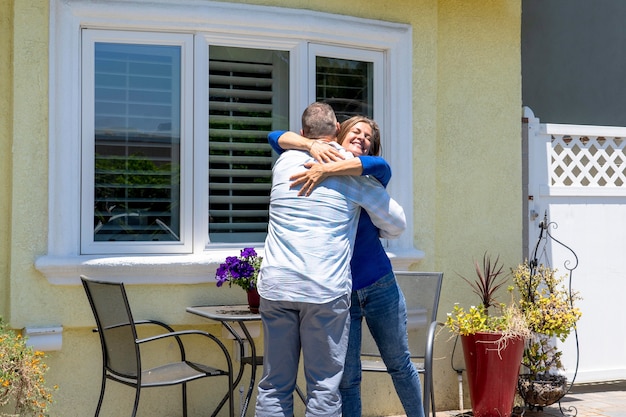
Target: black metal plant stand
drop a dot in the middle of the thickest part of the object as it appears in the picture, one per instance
(540, 253)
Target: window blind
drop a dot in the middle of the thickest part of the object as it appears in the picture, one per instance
(248, 98)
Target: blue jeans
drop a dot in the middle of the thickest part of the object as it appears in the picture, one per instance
(383, 306)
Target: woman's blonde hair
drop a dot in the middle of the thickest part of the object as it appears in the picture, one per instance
(347, 125)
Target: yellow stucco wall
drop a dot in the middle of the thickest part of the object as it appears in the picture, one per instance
(6, 113)
(467, 179)
(478, 181)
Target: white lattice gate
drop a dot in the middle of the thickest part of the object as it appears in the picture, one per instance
(577, 177)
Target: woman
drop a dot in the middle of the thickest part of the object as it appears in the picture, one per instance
(376, 295)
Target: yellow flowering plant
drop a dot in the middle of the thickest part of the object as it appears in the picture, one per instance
(22, 382)
(509, 320)
(550, 311)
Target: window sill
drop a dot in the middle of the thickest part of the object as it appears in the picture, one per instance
(403, 259)
(142, 269)
(160, 269)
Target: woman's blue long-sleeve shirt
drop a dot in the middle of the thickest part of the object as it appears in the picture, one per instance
(369, 260)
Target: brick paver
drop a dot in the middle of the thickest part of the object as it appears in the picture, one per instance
(600, 399)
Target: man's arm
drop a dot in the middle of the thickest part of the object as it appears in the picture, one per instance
(363, 165)
(386, 214)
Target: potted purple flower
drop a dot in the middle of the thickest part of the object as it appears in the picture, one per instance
(242, 270)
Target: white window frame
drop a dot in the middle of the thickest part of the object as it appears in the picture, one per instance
(216, 23)
(185, 42)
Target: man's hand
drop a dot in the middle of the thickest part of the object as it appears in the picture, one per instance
(323, 152)
(309, 179)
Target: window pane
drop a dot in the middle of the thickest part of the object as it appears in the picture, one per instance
(248, 98)
(137, 142)
(346, 85)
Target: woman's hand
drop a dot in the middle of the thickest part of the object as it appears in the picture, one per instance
(324, 152)
(309, 179)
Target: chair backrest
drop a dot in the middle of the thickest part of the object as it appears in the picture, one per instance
(115, 326)
(421, 291)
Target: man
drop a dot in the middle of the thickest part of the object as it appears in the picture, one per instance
(305, 279)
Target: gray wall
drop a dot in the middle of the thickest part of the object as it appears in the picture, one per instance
(574, 61)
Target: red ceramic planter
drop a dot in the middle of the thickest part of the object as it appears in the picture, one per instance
(254, 300)
(492, 373)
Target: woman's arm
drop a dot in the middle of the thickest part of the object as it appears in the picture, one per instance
(281, 141)
(376, 166)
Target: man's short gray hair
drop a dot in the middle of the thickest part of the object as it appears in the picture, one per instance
(319, 121)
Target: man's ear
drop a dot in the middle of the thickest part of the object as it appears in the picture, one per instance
(301, 132)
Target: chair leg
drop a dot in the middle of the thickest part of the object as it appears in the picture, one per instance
(184, 399)
(432, 399)
(136, 406)
(102, 387)
(427, 397)
(231, 401)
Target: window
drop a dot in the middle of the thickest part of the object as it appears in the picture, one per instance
(136, 142)
(159, 159)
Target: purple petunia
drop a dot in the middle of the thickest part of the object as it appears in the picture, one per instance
(221, 280)
(241, 271)
(248, 253)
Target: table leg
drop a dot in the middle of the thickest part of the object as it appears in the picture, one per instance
(253, 363)
(240, 373)
(301, 394)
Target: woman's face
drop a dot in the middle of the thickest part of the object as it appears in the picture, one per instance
(357, 140)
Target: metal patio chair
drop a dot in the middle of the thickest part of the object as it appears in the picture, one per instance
(421, 291)
(121, 353)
